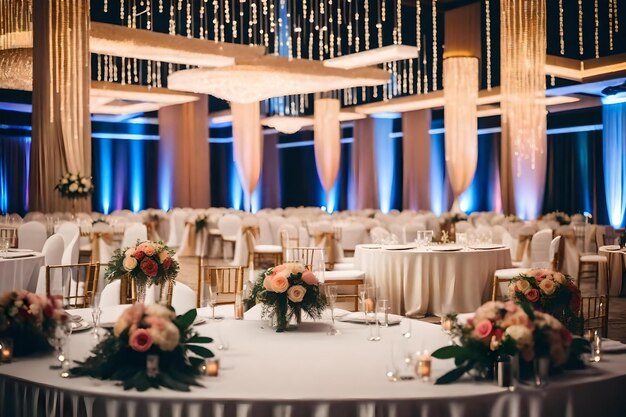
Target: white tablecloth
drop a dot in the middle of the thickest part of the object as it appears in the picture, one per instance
(419, 281)
(20, 273)
(616, 260)
(307, 373)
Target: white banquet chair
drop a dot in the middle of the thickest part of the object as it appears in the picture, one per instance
(379, 234)
(70, 234)
(178, 217)
(183, 298)
(229, 226)
(53, 255)
(31, 235)
(133, 233)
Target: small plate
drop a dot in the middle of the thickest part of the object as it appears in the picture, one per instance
(446, 248)
(370, 246)
(198, 321)
(79, 326)
(486, 246)
(398, 247)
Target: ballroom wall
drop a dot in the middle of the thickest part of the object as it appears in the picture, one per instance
(125, 155)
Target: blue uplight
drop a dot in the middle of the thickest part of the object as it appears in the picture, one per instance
(385, 165)
(614, 150)
(437, 174)
(136, 176)
(104, 186)
(236, 191)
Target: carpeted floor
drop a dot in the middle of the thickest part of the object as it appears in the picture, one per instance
(617, 306)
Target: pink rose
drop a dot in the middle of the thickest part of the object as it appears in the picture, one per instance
(279, 283)
(278, 268)
(149, 267)
(139, 255)
(149, 250)
(533, 295)
(140, 340)
(309, 277)
(267, 282)
(483, 329)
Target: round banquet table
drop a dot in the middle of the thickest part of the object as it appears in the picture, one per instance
(306, 373)
(20, 273)
(617, 268)
(420, 281)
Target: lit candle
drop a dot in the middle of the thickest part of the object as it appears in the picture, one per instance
(211, 367)
(238, 307)
(369, 305)
(424, 365)
(6, 350)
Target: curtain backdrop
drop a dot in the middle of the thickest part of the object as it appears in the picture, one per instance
(270, 177)
(363, 180)
(61, 140)
(416, 164)
(327, 139)
(14, 172)
(247, 146)
(226, 190)
(483, 194)
(184, 179)
(614, 123)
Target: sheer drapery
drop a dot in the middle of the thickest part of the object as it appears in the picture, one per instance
(614, 127)
(184, 172)
(270, 177)
(364, 184)
(416, 154)
(247, 146)
(327, 141)
(14, 172)
(61, 139)
(460, 78)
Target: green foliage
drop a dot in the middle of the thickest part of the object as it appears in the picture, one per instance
(179, 369)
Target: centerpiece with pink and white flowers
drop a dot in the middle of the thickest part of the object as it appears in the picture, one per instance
(29, 319)
(149, 347)
(148, 263)
(285, 291)
(74, 186)
(551, 292)
(508, 329)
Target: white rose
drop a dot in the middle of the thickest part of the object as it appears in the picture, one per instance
(64, 181)
(523, 285)
(159, 310)
(73, 177)
(548, 286)
(73, 187)
(296, 293)
(165, 334)
(129, 252)
(129, 263)
(295, 267)
(35, 309)
(84, 181)
(521, 335)
(560, 278)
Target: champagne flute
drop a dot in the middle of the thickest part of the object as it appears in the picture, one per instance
(58, 339)
(331, 296)
(212, 299)
(96, 313)
(362, 291)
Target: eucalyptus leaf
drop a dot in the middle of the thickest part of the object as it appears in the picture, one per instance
(451, 376)
(200, 351)
(199, 339)
(187, 319)
(449, 352)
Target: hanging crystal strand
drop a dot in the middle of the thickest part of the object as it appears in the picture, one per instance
(149, 73)
(135, 73)
(123, 70)
(115, 69)
(188, 31)
(106, 68)
(99, 65)
(405, 78)
(394, 78)
(357, 38)
(366, 24)
(399, 20)
(105, 7)
(435, 62)
(597, 28)
(129, 78)
(273, 27)
(216, 27)
(379, 29)
(148, 15)
(611, 25)
(383, 11)
(615, 16)
(488, 41)
(160, 6)
(425, 66)
(411, 78)
(561, 34)
(581, 50)
(122, 12)
(349, 26)
(159, 83)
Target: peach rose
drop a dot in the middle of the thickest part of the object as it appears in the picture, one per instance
(279, 283)
(140, 340)
(309, 277)
(559, 278)
(548, 286)
(164, 333)
(129, 263)
(159, 310)
(522, 285)
(130, 317)
(483, 329)
(129, 252)
(163, 255)
(296, 293)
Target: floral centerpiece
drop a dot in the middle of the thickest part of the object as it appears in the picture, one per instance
(286, 290)
(29, 319)
(74, 186)
(506, 329)
(148, 263)
(201, 221)
(149, 347)
(551, 292)
(559, 216)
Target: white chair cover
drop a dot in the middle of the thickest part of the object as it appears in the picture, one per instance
(134, 232)
(70, 234)
(183, 298)
(31, 235)
(540, 248)
(177, 226)
(53, 255)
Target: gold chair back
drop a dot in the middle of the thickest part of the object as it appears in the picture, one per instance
(11, 234)
(78, 283)
(495, 286)
(226, 280)
(594, 312)
(304, 255)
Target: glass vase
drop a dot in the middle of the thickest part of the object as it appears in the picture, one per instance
(140, 292)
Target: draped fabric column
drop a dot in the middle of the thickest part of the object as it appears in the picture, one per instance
(327, 141)
(416, 157)
(363, 185)
(523, 56)
(61, 139)
(460, 80)
(614, 150)
(270, 179)
(247, 146)
(184, 171)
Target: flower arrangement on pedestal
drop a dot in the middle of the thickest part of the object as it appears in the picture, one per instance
(506, 329)
(559, 216)
(148, 348)
(148, 263)
(74, 186)
(201, 221)
(29, 319)
(286, 290)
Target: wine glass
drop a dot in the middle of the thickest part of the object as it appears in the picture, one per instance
(96, 313)
(318, 266)
(448, 319)
(209, 297)
(331, 296)
(4, 244)
(58, 338)
(362, 291)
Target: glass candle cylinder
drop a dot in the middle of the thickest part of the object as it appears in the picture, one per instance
(212, 367)
(424, 366)
(6, 350)
(238, 306)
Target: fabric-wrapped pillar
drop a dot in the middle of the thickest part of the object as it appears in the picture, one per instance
(184, 175)
(363, 179)
(247, 146)
(327, 141)
(523, 57)
(460, 81)
(614, 150)
(61, 138)
(416, 155)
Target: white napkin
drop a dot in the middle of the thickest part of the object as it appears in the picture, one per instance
(359, 317)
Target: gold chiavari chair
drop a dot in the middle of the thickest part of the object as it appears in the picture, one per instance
(11, 234)
(495, 286)
(77, 283)
(224, 280)
(589, 264)
(287, 242)
(594, 312)
(262, 255)
(304, 255)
